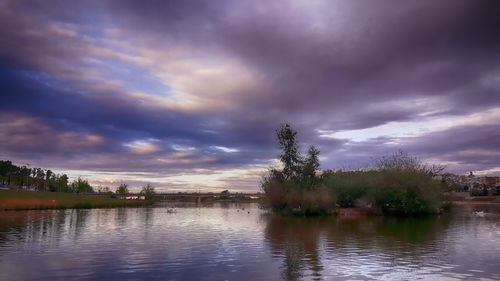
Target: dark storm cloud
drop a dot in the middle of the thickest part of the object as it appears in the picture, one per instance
(333, 65)
(106, 113)
(475, 147)
(398, 56)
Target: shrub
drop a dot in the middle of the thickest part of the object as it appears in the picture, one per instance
(406, 191)
(396, 202)
(346, 186)
(395, 190)
(289, 199)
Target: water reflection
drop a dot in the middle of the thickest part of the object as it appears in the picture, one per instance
(385, 248)
(225, 242)
(297, 241)
(31, 226)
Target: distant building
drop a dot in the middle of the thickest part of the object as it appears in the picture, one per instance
(492, 181)
(471, 183)
(132, 197)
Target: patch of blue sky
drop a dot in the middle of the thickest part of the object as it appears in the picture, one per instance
(40, 77)
(135, 78)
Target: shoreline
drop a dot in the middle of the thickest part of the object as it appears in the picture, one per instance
(471, 202)
(34, 200)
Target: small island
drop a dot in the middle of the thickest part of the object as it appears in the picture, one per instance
(399, 185)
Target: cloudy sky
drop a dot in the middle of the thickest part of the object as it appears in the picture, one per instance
(187, 94)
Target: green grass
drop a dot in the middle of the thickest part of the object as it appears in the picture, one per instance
(69, 200)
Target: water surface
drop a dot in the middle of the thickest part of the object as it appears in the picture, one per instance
(225, 242)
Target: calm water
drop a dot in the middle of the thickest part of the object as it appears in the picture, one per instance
(224, 242)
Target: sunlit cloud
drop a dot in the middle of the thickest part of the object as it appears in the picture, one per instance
(415, 127)
(226, 149)
(143, 147)
(238, 180)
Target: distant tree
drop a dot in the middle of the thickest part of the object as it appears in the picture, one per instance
(148, 192)
(7, 170)
(62, 183)
(104, 189)
(48, 176)
(34, 177)
(34, 181)
(4, 170)
(40, 178)
(81, 185)
(24, 173)
(51, 181)
(122, 189)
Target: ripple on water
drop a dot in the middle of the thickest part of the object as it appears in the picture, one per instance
(219, 243)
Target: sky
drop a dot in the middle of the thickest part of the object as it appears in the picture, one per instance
(187, 95)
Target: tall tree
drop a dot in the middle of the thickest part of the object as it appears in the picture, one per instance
(290, 155)
(311, 164)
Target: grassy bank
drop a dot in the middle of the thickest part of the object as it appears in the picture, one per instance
(24, 200)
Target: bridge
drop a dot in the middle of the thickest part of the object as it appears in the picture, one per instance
(207, 197)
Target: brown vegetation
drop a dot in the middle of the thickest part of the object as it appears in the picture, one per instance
(26, 203)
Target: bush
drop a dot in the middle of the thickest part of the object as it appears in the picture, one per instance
(396, 202)
(289, 199)
(394, 191)
(407, 192)
(346, 186)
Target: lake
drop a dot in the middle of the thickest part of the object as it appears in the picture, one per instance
(241, 242)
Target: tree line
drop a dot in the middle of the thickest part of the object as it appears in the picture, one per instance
(40, 179)
(46, 180)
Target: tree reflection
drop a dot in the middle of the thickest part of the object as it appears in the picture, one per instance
(297, 240)
(76, 221)
(304, 243)
(121, 215)
(147, 218)
(29, 226)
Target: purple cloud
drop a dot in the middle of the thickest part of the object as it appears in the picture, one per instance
(162, 86)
